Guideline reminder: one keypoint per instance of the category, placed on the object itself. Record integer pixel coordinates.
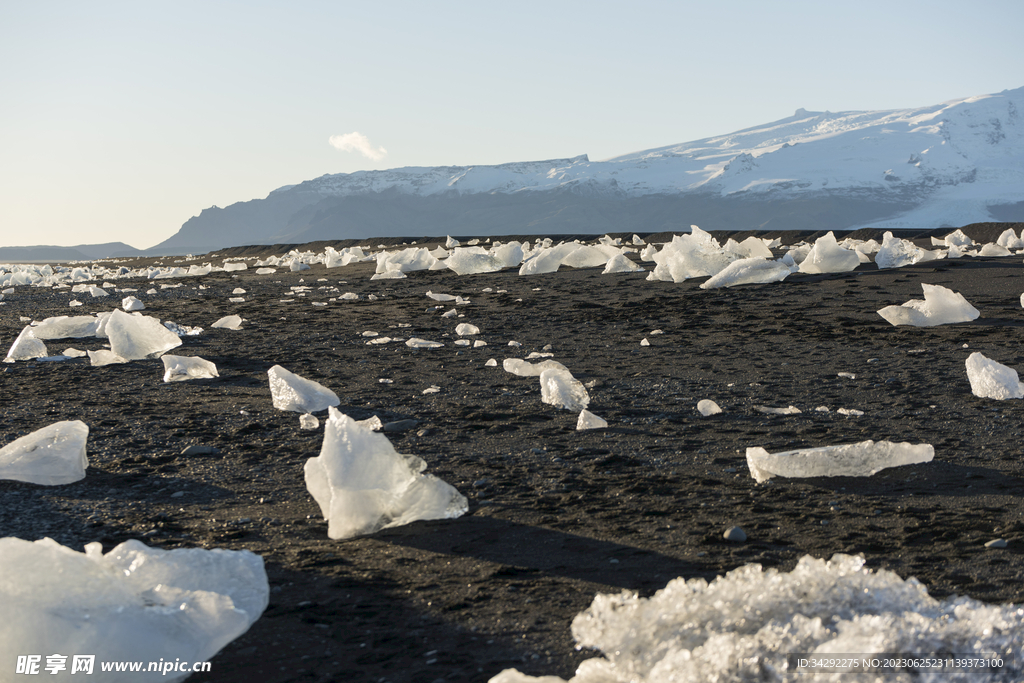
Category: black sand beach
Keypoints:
(556, 515)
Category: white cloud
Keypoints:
(357, 142)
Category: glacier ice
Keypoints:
(298, 394)
(26, 347)
(940, 306)
(417, 343)
(748, 271)
(826, 256)
(229, 322)
(50, 456)
(134, 337)
(308, 421)
(466, 330)
(181, 368)
(130, 303)
(896, 252)
(990, 379)
(471, 260)
(522, 368)
(63, 326)
(103, 357)
(620, 263)
(847, 460)
(362, 484)
(588, 420)
(708, 407)
(559, 388)
(133, 603)
(744, 626)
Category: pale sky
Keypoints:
(121, 120)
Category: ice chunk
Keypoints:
(229, 322)
(180, 368)
(589, 421)
(958, 238)
(63, 326)
(26, 347)
(72, 352)
(620, 264)
(183, 330)
(990, 379)
(848, 460)
(265, 271)
(473, 260)
(745, 626)
(708, 407)
(940, 306)
(451, 242)
(826, 256)
(308, 421)
(518, 366)
(417, 343)
(478, 343)
(104, 357)
(466, 330)
(298, 394)
(559, 388)
(1008, 238)
(133, 603)
(134, 337)
(896, 252)
(791, 410)
(584, 256)
(231, 267)
(50, 456)
(748, 271)
(363, 485)
(130, 303)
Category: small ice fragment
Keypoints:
(990, 379)
(791, 410)
(491, 363)
(349, 296)
(237, 299)
(644, 342)
(384, 380)
(229, 322)
(853, 412)
(462, 342)
(514, 343)
(478, 343)
(49, 456)
(238, 290)
(265, 271)
(104, 357)
(72, 352)
(450, 314)
(369, 333)
(654, 332)
(996, 543)
(735, 534)
(74, 302)
(708, 407)
(431, 390)
(308, 421)
(363, 485)
(559, 388)
(822, 409)
(417, 343)
(848, 460)
(130, 303)
(848, 375)
(520, 367)
(466, 330)
(372, 423)
(380, 340)
(181, 368)
(539, 354)
(298, 394)
(589, 421)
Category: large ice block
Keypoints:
(49, 456)
(559, 388)
(134, 603)
(847, 460)
(990, 379)
(363, 485)
(181, 368)
(134, 337)
(940, 306)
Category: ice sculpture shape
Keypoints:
(826, 256)
(990, 379)
(559, 388)
(49, 456)
(588, 420)
(26, 347)
(134, 337)
(298, 394)
(847, 460)
(362, 484)
(134, 603)
(743, 626)
(181, 368)
(748, 271)
(940, 306)
(229, 322)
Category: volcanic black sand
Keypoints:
(556, 515)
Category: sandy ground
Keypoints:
(556, 515)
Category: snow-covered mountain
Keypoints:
(948, 164)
